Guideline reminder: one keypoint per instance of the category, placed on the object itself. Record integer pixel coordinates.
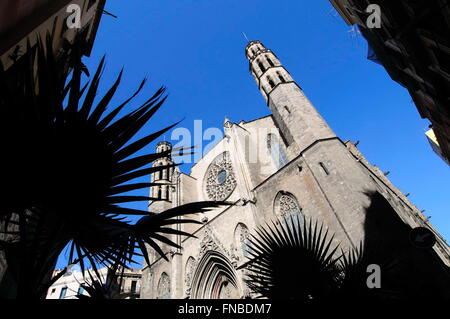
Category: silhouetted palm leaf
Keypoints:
(68, 166)
(292, 260)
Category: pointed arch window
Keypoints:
(261, 66)
(281, 77)
(159, 192)
(168, 193)
(270, 61)
(163, 288)
(271, 83)
(241, 237)
(276, 151)
(286, 206)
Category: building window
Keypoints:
(63, 293)
(281, 77)
(163, 288)
(286, 206)
(276, 151)
(271, 83)
(270, 61)
(325, 169)
(133, 286)
(287, 109)
(261, 66)
(241, 237)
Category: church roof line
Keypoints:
(296, 158)
(259, 118)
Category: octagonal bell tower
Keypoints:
(300, 124)
(163, 190)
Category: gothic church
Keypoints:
(290, 162)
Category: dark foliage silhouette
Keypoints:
(290, 247)
(68, 167)
(104, 288)
(295, 260)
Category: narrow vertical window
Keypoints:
(270, 61)
(287, 109)
(325, 169)
(281, 77)
(271, 83)
(261, 66)
(276, 151)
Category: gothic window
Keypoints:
(281, 77)
(163, 288)
(276, 151)
(261, 66)
(271, 83)
(159, 192)
(241, 237)
(220, 180)
(270, 61)
(286, 205)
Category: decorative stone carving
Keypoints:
(190, 268)
(288, 205)
(234, 254)
(210, 242)
(220, 180)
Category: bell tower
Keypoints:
(300, 124)
(163, 179)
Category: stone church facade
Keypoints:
(290, 162)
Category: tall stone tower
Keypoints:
(299, 122)
(164, 189)
(288, 163)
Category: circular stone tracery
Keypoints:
(220, 181)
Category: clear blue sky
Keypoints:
(196, 49)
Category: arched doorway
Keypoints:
(215, 278)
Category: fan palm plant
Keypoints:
(292, 259)
(68, 168)
(104, 288)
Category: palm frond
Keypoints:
(72, 164)
(291, 260)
